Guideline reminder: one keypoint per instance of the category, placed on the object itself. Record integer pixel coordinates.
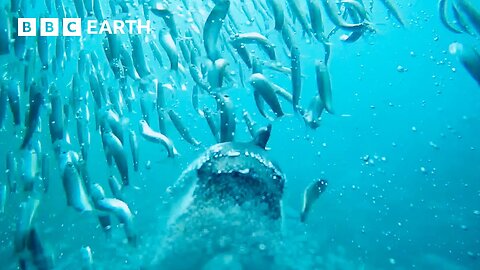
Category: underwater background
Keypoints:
(401, 155)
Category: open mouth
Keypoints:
(252, 185)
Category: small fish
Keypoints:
(211, 123)
(182, 129)
(393, 10)
(42, 257)
(138, 56)
(331, 9)
(278, 13)
(11, 171)
(195, 100)
(161, 10)
(472, 12)
(313, 115)
(216, 74)
(45, 172)
(255, 37)
(60, 8)
(106, 224)
(298, 11)
(324, 85)
(43, 48)
(265, 90)
(97, 9)
(133, 141)
(168, 44)
(13, 92)
(242, 51)
(60, 55)
(310, 195)
(251, 125)
(316, 20)
(227, 117)
(460, 19)
(469, 57)
(212, 28)
(74, 189)
(115, 187)
(113, 120)
(87, 258)
(88, 4)
(19, 43)
(28, 210)
(33, 118)
(128, 64)
(296, 77)
(152, 136)
(3, 197)
(121, 210)
(442, 10)
(156, 52)
(56, 118)
(3, 107)
(30, 167)
(115, 148)
(5, 32)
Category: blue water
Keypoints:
(401, 154)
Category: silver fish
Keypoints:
(472, 12)
(5, 32)
(310, 195)
(56, 118)
(212, 28)
(45, 172)
(255, 37)
(161, 10)
(227, 117)
(36, 105)
(265, 90)
(469, 57)
(156, 52)
(298, 12)
(13, 92)
(133, 141)
(115, 148)
(251, 125)
(42, 257)
(88, 4)
(115, 187)
(211, 123)
(28, 210)
(324, 85)
(74, 188)
(3, 197)
(121, 210)
(296, 77)
(11, 171)
(87, 258)
(3, 106)
(182, 129)
(43, 48)
(278, 13)
(393, 10)
(216, 73)
(128, 64)
(331, 9)
(138, 56)
(152, 136)
(168, 44)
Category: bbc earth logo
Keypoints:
(74, 27)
